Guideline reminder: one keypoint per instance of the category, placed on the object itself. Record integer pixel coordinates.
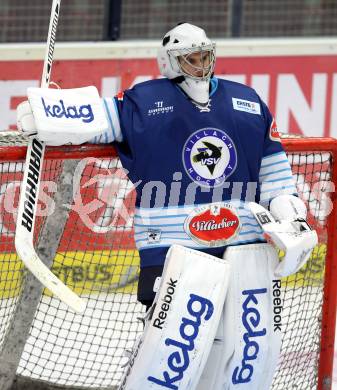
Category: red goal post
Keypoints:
(303, 145)
(98, 260)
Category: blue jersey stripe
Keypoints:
(273, 172)
(276, 180)
(279, 188)
(275, 163)
(157, 224)
(161, 216)
(273, 155)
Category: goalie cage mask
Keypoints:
(174, 58)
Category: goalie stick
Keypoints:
(30, 192)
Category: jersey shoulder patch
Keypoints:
(120, 96)
(246, 106)
(273, 132)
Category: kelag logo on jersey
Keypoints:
(209, 157)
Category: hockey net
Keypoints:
(96, 258)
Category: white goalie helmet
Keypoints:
(177, 58)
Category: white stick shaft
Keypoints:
(29, 194)
(48, 59)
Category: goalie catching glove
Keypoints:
(285, 226)
(62, 116)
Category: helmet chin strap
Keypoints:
(196, 90)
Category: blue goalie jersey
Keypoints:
(195, 169)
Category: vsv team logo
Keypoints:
(60, 110)
(209, 157)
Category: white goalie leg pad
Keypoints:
(247, 344)
(179, 333)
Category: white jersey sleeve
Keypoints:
(275, 175)
(113, 132)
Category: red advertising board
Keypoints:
(301, 91)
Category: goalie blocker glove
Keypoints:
(285, 227)
(62, 116)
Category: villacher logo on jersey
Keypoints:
(159, 109)
(83, 112)
(213, 224)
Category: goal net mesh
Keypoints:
(97, 259)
